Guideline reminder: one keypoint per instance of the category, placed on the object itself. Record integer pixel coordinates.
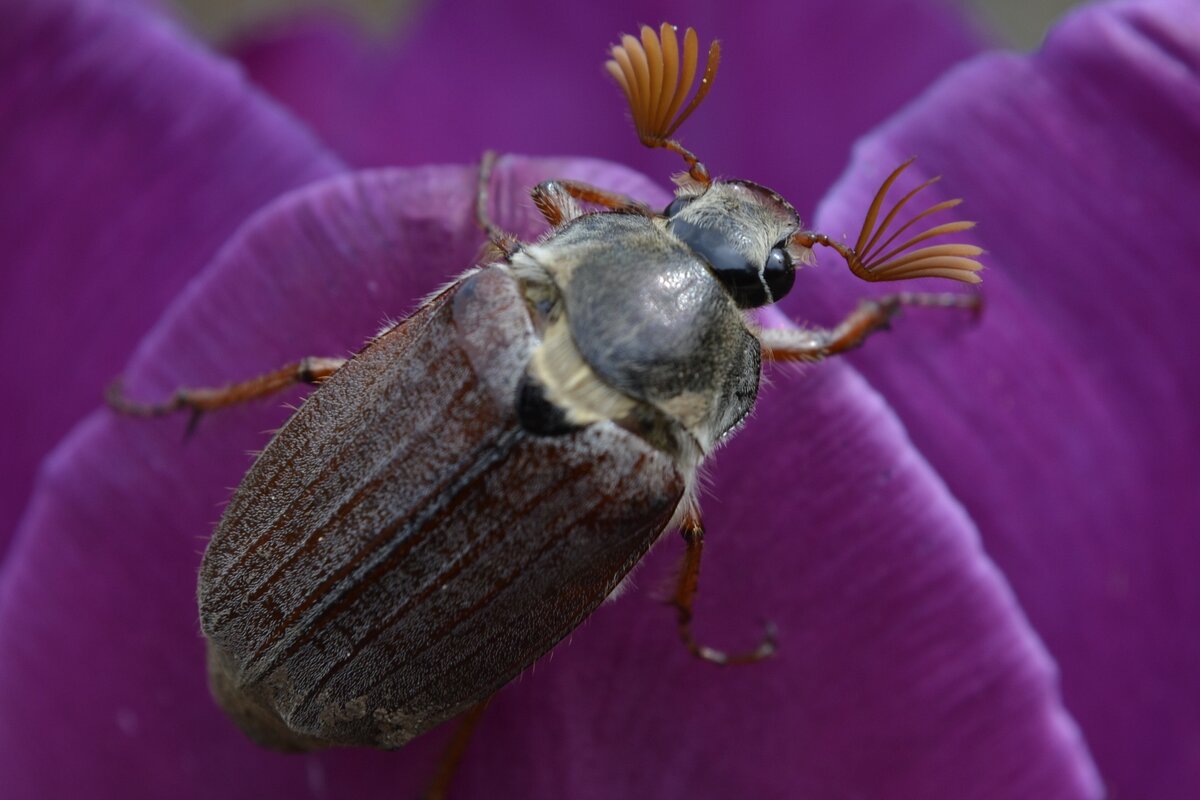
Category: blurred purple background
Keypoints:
(977, 541)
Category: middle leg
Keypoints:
(201, 400)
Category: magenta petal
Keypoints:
(129, 154)
(799, 82)
(905, 668)
(1067, 421)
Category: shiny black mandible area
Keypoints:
(751, 285)
(723, 246)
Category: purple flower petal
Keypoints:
(1066, 422)
(129, 155)
(800, 81)
(906, 669)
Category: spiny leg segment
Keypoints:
(556, 200)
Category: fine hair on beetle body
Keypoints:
(363, 586)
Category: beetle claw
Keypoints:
(765, 649)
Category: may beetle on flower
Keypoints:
(459, 496)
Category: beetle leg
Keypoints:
(813, 344)
(498, 238)
(198, 401)
(556, 199)
(555, 204)
(685, 594)
(453, 754)
(587, 193)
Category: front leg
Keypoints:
(557, 200)
(813, 344)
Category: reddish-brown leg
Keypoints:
(453, 754)
(813, 344)
(587, 193)
(685, 594)
(555, 203)
(306, 370)
(556, 199)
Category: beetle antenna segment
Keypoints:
(655, 83)
(873, 258)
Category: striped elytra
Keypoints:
(403, 547)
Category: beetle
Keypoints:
(456, 498)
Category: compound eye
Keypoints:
(677, 205)
(779, 272)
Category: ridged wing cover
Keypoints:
(402, 548)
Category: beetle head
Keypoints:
(743, 232)
(747, 234)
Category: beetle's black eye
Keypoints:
(677, 205)
(779, 272)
